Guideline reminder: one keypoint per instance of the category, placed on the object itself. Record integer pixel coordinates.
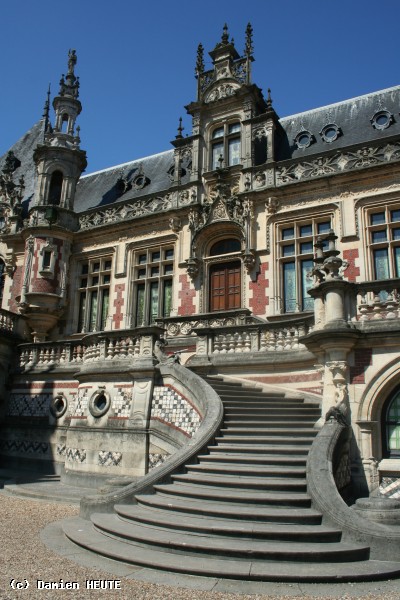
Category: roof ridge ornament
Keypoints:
(249, 48)
(225, 34)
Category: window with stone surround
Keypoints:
(152, 284)
(94, 294)
(295, 256)
(225, 145)
(383, 239)
(391, 426)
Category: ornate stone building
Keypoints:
(261, 248)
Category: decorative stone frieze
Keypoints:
(365, 157)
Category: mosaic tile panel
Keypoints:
(79, 408)
(109, 459)
(28, 405)
(24, 446)
(75, 455)
(390, 487)
(156, 459)
(61, 449)
(121, 403)
(170, 407)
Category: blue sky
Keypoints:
(136, 61)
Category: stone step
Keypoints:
(212, 545)
(249, 469)
(263, 440)
(227, 526)
(287, 508)
(271, 497)
(241, 481)
(242, 420)
(257, 402)
(261, 449)
(272, 429)
(85, 535)
(253, 459)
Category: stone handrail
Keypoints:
(210, 406)
(383, 540)
(10, 322)
(377, 300)
(259, 338)
(130, 344)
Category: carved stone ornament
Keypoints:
(339, 370)
(340, 162)
(192, 267)
(175, 224)
(272, 205)
(249, 259)
(225, 90)
(259, 133)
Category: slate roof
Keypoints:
(23, 150)
(106, 187)
(352, 116)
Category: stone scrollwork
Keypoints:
(220, 92)
(129, 210)
(339, 162)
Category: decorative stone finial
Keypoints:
(269, 100)
(200, 60)
(225, 35)
(179, 136)
(248, 50)
(69, 84)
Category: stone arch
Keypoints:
(373, 400)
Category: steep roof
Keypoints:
(23, 150)
(352, 116)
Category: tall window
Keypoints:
(56, 182)
(384, 240)
(296, 251)
(225, 146)
(94, 294)
(152, 276)
(391, 426)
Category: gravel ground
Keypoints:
(23, 556)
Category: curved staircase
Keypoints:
(243, 511)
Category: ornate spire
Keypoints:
(180, 129)
(249, 49)
(269, 100)
(225, 35)
(69, 84)
(46, 111)
(200, 60)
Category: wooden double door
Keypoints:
(225, 283)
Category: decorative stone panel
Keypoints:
(28, 405)
(80, 407)
(390, 487)
(75, 455)
(24, 446)
(107, 458)
(170, 407)
(156, 459)
(121, 403)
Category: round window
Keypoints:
(99, 403)
(330, 133)
(303, 139)
(58, 406)
(382, 119)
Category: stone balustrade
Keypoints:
(263, 338)
(127, 345)
(10, 322)
(377, 300)
(183, 326)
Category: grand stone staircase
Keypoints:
(243, 511)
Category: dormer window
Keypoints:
(225, 146)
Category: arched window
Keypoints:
(225, 277)
(55, 188)
(391, 426)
